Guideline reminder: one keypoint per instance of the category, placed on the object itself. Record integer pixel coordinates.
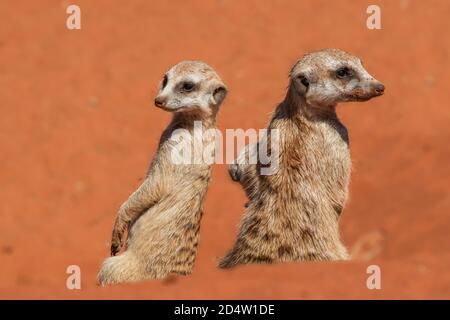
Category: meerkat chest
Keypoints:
(318, 154)
(190, 147)
(333, 140)
(327, 151)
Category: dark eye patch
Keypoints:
(164, 82)
(187, 86)
(344, 73)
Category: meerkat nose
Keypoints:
(160, 101)
(379, 88)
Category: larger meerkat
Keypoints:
(293, 214)
(163, 214)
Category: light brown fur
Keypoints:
(163, 215)
(293, 214)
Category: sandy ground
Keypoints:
(78, 129)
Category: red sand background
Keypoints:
(78, 129)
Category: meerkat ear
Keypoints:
(303, 82)
(219, 94)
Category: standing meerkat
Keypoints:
(163, 214)
(293, 214)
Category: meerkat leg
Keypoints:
(123, 268)
(246, 248)
(127, 267)
(148, 194)
(234, 257)
(244, 253)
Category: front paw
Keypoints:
(117, 234)
(116, 242)
(234, 172)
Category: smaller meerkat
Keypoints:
(163, 215)
(293, 214)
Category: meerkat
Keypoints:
(292, 215)
(163, 215)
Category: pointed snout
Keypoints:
(370, 89)
(365, 90)
(160, 101)
(378, 88)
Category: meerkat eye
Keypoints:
(187, 86)
(164, 82)
(343, 73)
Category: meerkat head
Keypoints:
(191, 86)
(327, 77)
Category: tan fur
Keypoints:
(163, 215)
(293, 214)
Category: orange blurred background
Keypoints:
(78, 130)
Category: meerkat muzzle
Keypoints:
(160, 102)
(379, 88)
